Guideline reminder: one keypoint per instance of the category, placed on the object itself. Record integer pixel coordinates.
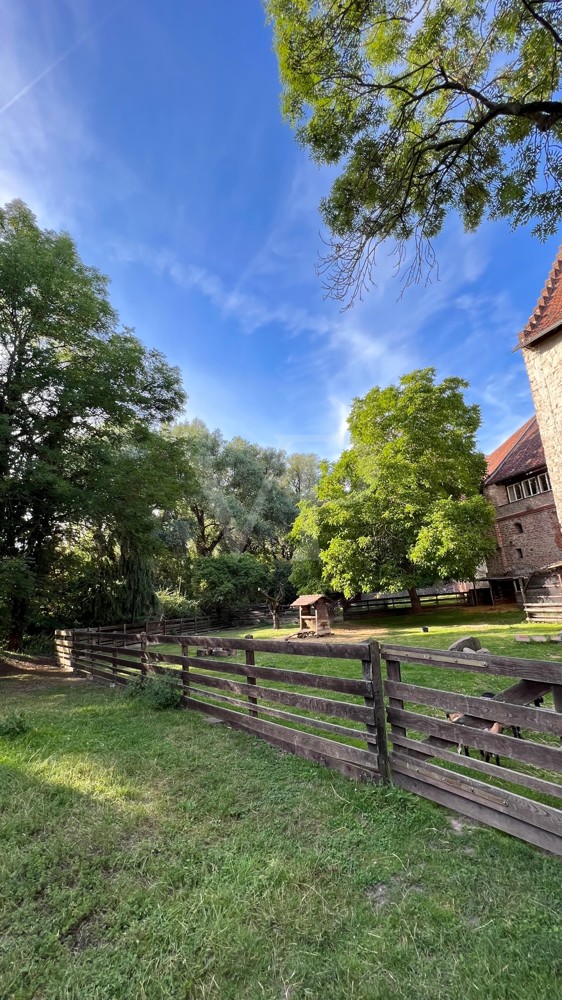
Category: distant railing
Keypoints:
(127, 634)
(403, 603)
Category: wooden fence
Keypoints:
(402, 603)
(227, 689)
(342, 721)
(418, 736)
(128, 634)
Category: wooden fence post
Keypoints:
(185, 673)
(373, 676)
(394, 673)
(250, 662)
(557, 699)
(144, 654)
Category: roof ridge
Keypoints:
(521, 434)
(544, 297)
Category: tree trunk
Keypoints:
(19, 610)
(414, 600)
(276, 617)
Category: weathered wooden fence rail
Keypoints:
(396, 729)
(535, 762)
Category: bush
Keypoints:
(40, 644)
(13, 724)
(173, 604)
(160, 691)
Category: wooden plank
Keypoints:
(374, 704)
(480, 813)
(549, 671)
(330, 650)
(113, 658)
(294, 737)
(277, 713)
(326, 706)
(106, 636)
(535, 813)
(343, 685)
(487, 709)
(133, 654)
(104, 675)
(353, 771)
(422, 750)
(546, 757)
(167, 657)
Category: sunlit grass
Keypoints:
(152, 855)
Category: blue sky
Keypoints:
(152, 132)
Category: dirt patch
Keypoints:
(461, 825)
(381, 894)
(83, 933)
(44, 666)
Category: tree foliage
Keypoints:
(78, 397)
(428, 107)
(241, 501)
(401, 507)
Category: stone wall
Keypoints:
(544, 368)
(529, 526)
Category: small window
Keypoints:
(519, 553)
(514, 492)
(529, 487)
(518, 527)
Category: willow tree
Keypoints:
(427, 107)
(401, 508)
(72, 386)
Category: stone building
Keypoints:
(541, 344)
(527, 528)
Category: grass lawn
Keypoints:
(153, 855)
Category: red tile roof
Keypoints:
(548, 312)
(521, 454)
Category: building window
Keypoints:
(529, 487)
(518, 527)
(519, 553)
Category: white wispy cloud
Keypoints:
(49, 154)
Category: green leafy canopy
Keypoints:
(402, 506)
(428, 107)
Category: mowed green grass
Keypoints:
(152, 855)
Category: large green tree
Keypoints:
(240, 501)
(402, 506)
(73, 387)
(427, 107)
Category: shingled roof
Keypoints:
(305, 600)
(520, 455)
(547, 316)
